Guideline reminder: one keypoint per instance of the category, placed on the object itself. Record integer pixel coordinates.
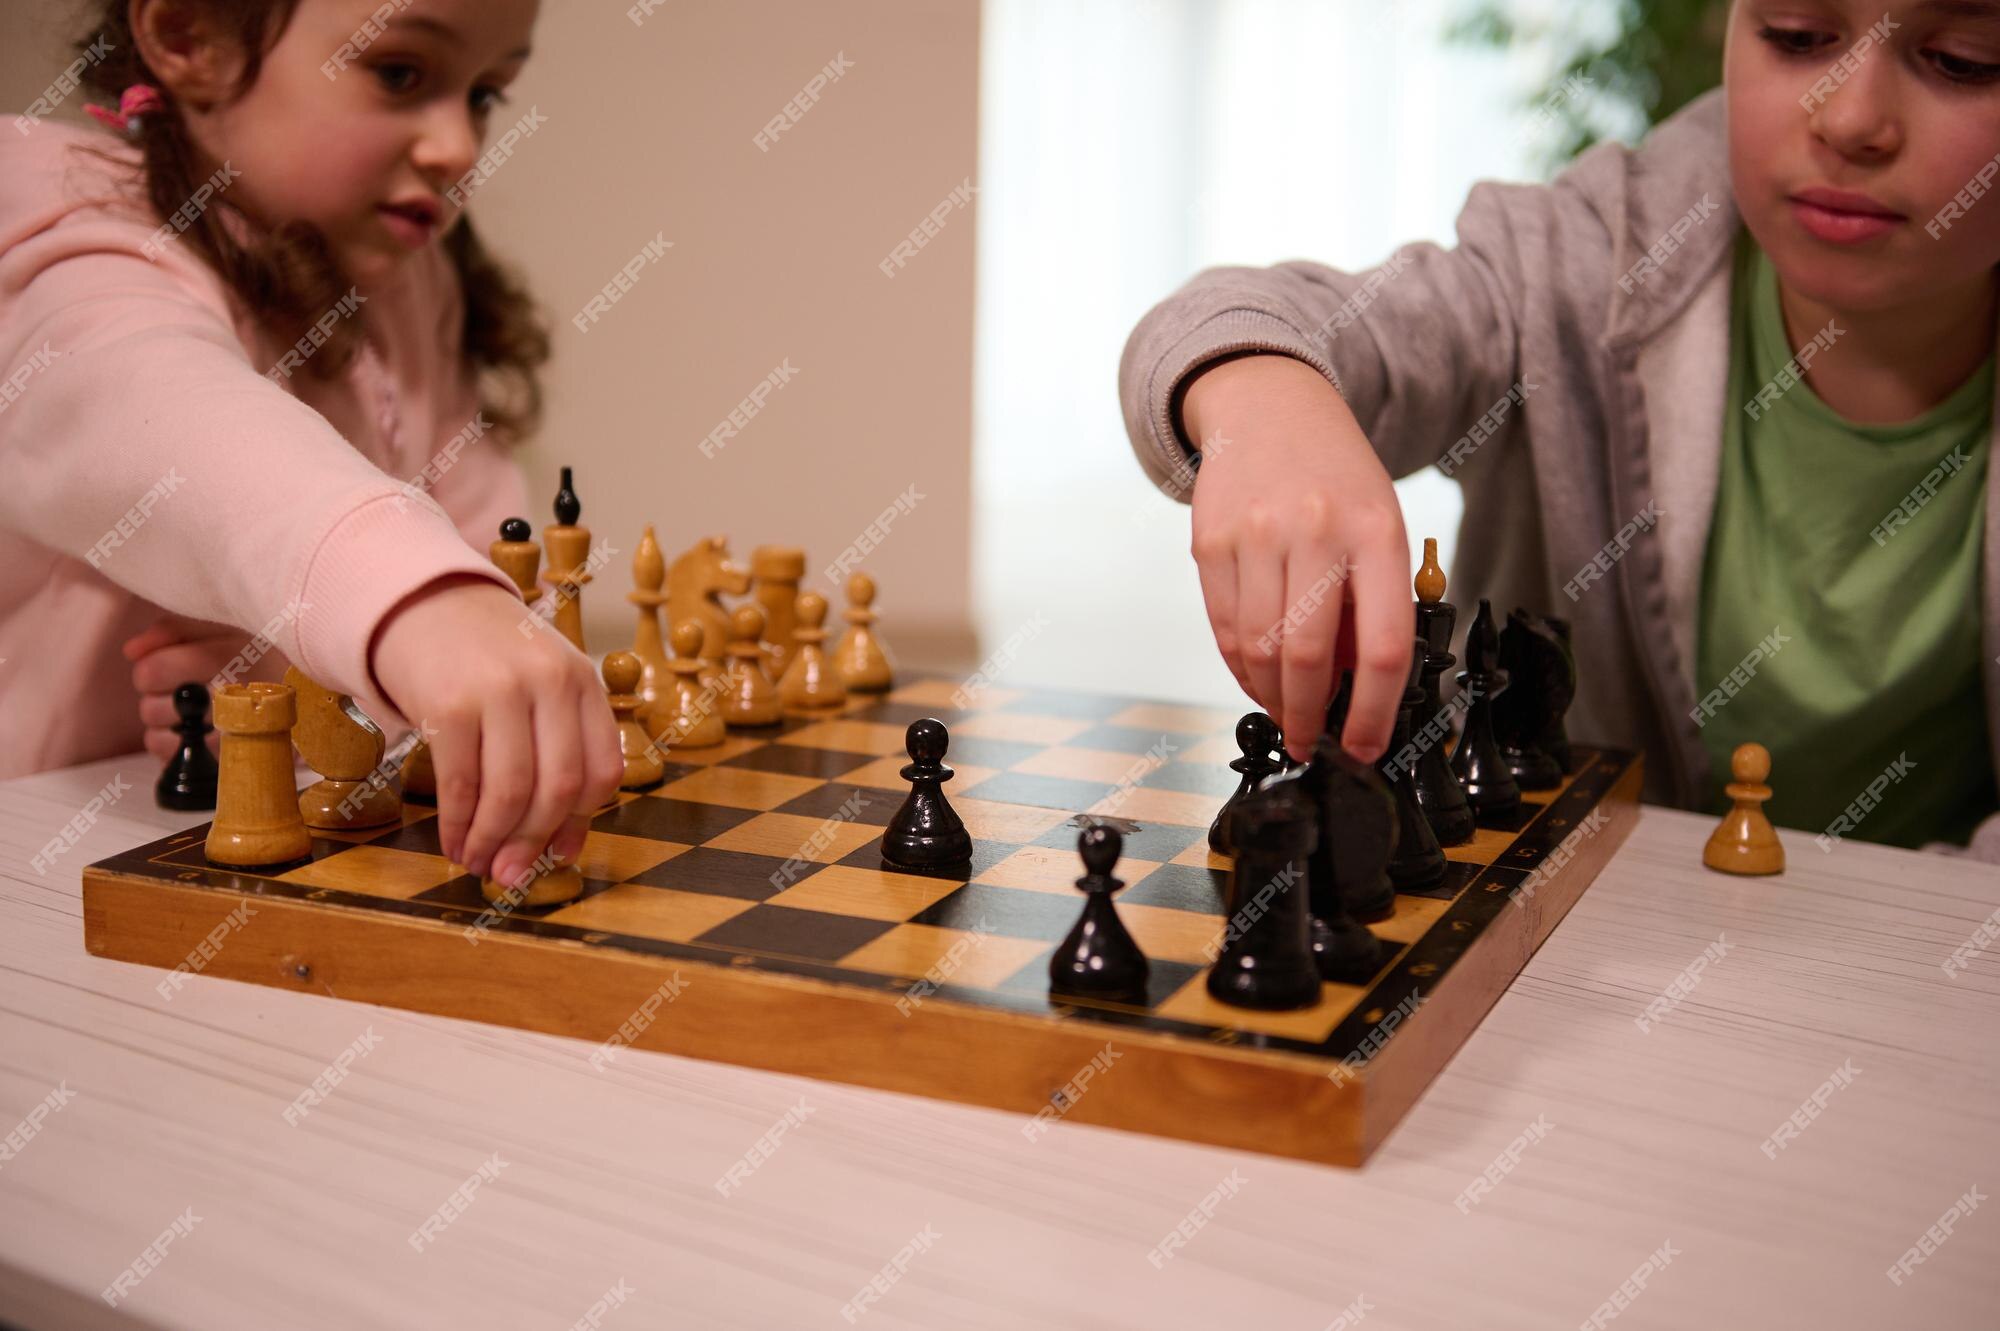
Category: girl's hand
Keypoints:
(522, 736)
(1296, 521)
(177, 651)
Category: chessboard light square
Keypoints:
(850, 736)
(1169, 934)
(869, 894)
(1055, 870)
(909, 951)
(1191, 1003)
(738, 787)
(1219, 750)
(886, 773)
(789, 836)
(1413, 919)
(1144, 804)
(650, 912)
(1487, 845)
(1201, 857)
(1028, 727)
(376, 871)
(730, 747)
(1089, 764)
(1014, 824)
(612, 858)
(1177, 718)
(945, 693)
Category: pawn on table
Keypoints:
(188, 781)
(862, 660)
(1258, 737)
(1745, 842)
(752, 700)
(1099, 959)
(810, 681)
(622, 673)
(686, 715)
(926, 832)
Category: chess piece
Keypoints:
(187, 782)
(568, 547)
(420, 782)
(777, 570)
(709, 658)
(1267, 955)
(1357, 821)
(860, 657)
(750, 698)
(1541, 677)
(696, 580)
(810, 681)
(339, 742)
(546, 883)
(687, 715)
(1098, 959)
(1438, 793)
(926, 833)
(257, 819)
(1481, 771)
(649, 574)
(1419, 861)
(1745, 842)
(1367, 899)
(1258, 738)
(622, 672)
(517, 555)
(1554, 740)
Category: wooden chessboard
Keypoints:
(740, 911)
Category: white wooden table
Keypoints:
(1623, 1143)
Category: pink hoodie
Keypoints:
(148, 465)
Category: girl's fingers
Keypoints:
(1218, 593)
(1313, 590)
(1385, 628)
(1260, 610)
(506, 779)
(456, 760)
(558, 761)
(603, 759)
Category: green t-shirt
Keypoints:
(1840, 621)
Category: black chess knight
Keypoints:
(1489, 786)
(1528, 717)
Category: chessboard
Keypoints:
(740, 911)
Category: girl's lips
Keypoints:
(408, 226)
(1838, 227)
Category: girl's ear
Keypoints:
(195, 57)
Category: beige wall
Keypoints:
(774, 259)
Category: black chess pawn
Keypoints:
(1099, 959)
(1267, 955)
(1438, 793)
(1419, 861)
(926, 833)
(1257, 736)
(1481, 771)
(188, 781)
(1541, 678)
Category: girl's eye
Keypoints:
(1793, 41)
(396, 76)
(1960, 70)
(485, 98)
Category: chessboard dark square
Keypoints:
(727, 873)
(1043, 792)
(656, 818)
(860, 804)
(420, 836)
(979, 751)
(800, 760)
(985, 854)
(1012, 911)
(784, 931)
(1458, 875)
(1075, 706)
(902, 713)
(1158, 842)
(1192, 778)
(1180, 887)
(1164, 979)
(462, 893)
(1117, 739)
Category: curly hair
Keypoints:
(287, 274)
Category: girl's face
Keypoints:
(1852, 126)
(360, 121)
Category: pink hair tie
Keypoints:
(139, 100)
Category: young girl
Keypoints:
(243, 343)
(1744, 383)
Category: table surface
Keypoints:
(1605, 1142)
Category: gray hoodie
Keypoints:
(1566, 363)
